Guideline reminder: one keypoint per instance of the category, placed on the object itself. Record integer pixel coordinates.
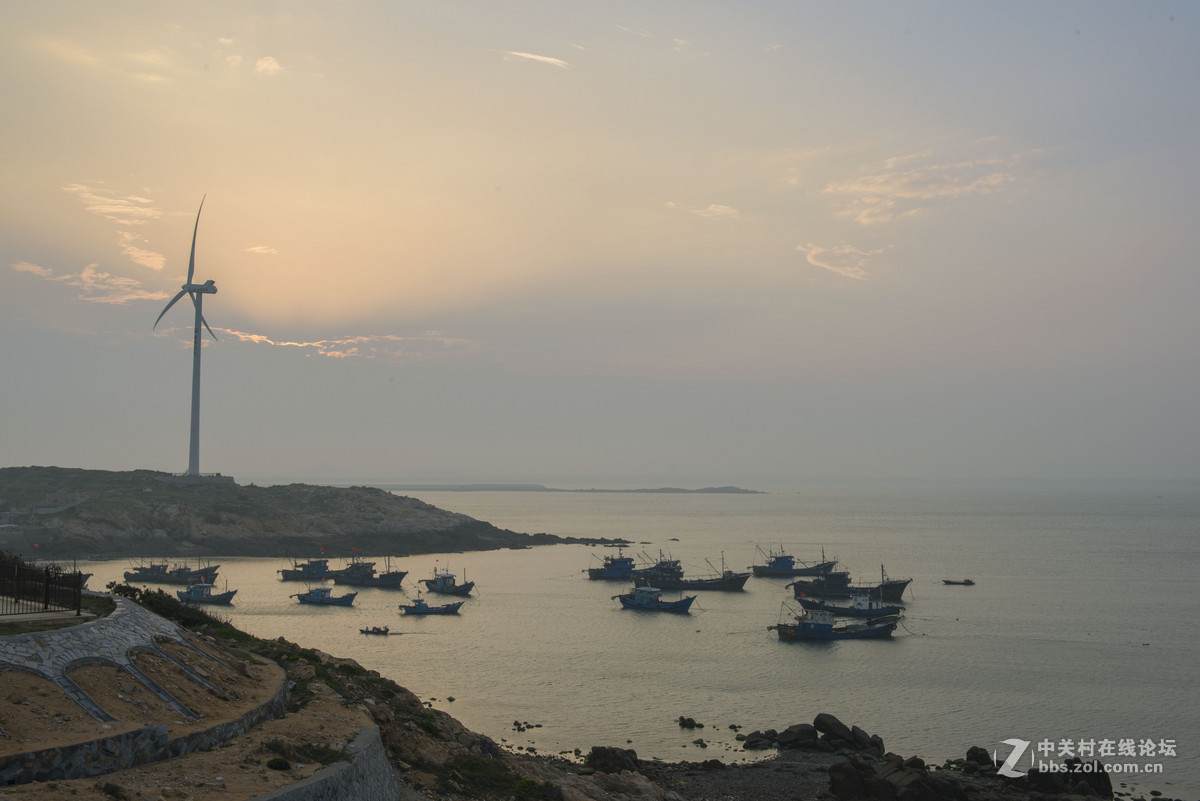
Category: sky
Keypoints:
(604, 244)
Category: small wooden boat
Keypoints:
(419, 607)
(323, 596)
(818, 624)
(651, 598)
(203, 594)
(781, 564)
(445, 583)
(374, 630)
(859, 606)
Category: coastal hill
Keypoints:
(68, 513)
(544, 488)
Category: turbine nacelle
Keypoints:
(209, 287)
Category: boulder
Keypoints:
(833, 728)
(612, 760)
(798, 736)
(845, 780)
(758, 741)
(980, 756)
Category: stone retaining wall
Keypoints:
(131, 748)
(368, 776)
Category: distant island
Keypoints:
(543, 488)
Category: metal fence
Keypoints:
(39, 589)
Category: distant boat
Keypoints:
(780, 564)
(419, 607)
(445, 583)
(859, 606)
(374, 630)
(665, 571)
(203, 594)
(356, 570)
(963, 582)
(368, 577)
(723, 579)
(323, 596)
(836, 584)
(651, 598)
(818, 624)
(165, 573)
(312, 570)
(618, 568)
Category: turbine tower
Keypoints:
(197, 293)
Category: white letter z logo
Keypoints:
(1006, 769)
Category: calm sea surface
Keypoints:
(1081, 625)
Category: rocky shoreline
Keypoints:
(826, 760)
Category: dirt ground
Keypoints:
(35, 714)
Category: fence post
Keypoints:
(46, 593)
(78, 593)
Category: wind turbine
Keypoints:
(197, 293)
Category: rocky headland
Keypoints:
(73, 514)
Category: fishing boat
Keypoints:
(312, 570)
(356, 570)
(165, 573)
(818, 624)
(723, 579)
(419, 607)
(445, 583)
(782, 564)
(619, 568)
(960, 582)
(374, 630)
(859, 606)
(323, 596)
(836, 584)
(651, 598)
(203, 594)
(660, 573)
(389, 578)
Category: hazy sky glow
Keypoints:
(605, 244)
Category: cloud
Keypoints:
(717, 211)
(124, 210)
(233, 61)
(138, 255)
(845, 260)
(267, 65)
(225, 40)
(69, 52)
(510, 55)
(642, 32)
(26, 267)
(263, 250)
(905, 186)
(97, 286)
(386, 346)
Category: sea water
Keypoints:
(1080, 627)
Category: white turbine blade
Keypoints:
(192, 260)
(182, 292)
